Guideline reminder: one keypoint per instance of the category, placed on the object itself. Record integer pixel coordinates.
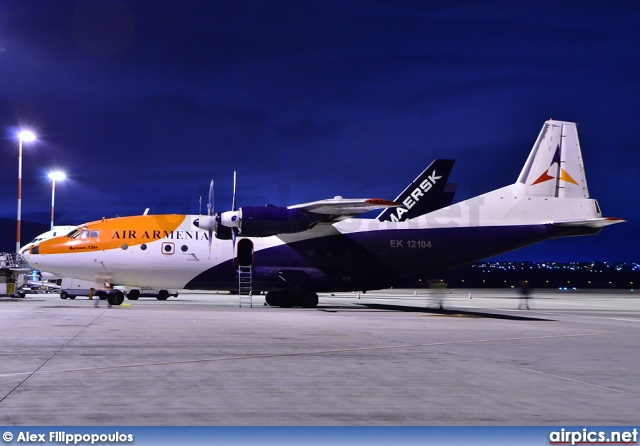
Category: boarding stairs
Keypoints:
(245, 291)
(12, 274)
(9, 260)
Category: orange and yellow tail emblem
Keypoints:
(564, 175)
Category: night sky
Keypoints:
(141, 104)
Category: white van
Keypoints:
(71, 288)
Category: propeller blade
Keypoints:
(234, 234)
(234, 231)
(210, 212)
(210, 204)
(233, 204)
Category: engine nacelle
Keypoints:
(223, 233)
(206, 222)
(256, 221)
(212, 223)
(230, 219)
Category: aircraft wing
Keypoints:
(339, 208)
(264, 221)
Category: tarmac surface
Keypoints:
(382, 358)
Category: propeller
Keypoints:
(228, 221)
(209, 222)
(234, 230)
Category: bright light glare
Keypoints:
(26, 136)
(57, 176)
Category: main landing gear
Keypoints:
(291, 298)
(114, 297)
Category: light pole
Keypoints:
(25, 136)
(54, 176)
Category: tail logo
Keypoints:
(413, 199)
(562, 174)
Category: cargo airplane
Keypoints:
(294, 252)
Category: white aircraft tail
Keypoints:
(551, 189)
(554, 167)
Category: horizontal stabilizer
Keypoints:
(591, 222)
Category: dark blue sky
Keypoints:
(141, 105)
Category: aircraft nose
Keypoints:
(25, 254)
(196, 222)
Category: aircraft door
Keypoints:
(245, 252)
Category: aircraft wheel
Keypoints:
(101, 295)
(271, 298)
(72, 297)
(308, 300)
(133, 295)
(286, 299)
(115, 298)
(162, 295)
(64, 295)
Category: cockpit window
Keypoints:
(86, 233)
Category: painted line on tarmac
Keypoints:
(310, 353)
(572, 380)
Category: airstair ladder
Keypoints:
(245, 291)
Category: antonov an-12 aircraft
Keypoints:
(294, 252)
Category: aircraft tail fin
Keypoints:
(554, 167)
(428, 192)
